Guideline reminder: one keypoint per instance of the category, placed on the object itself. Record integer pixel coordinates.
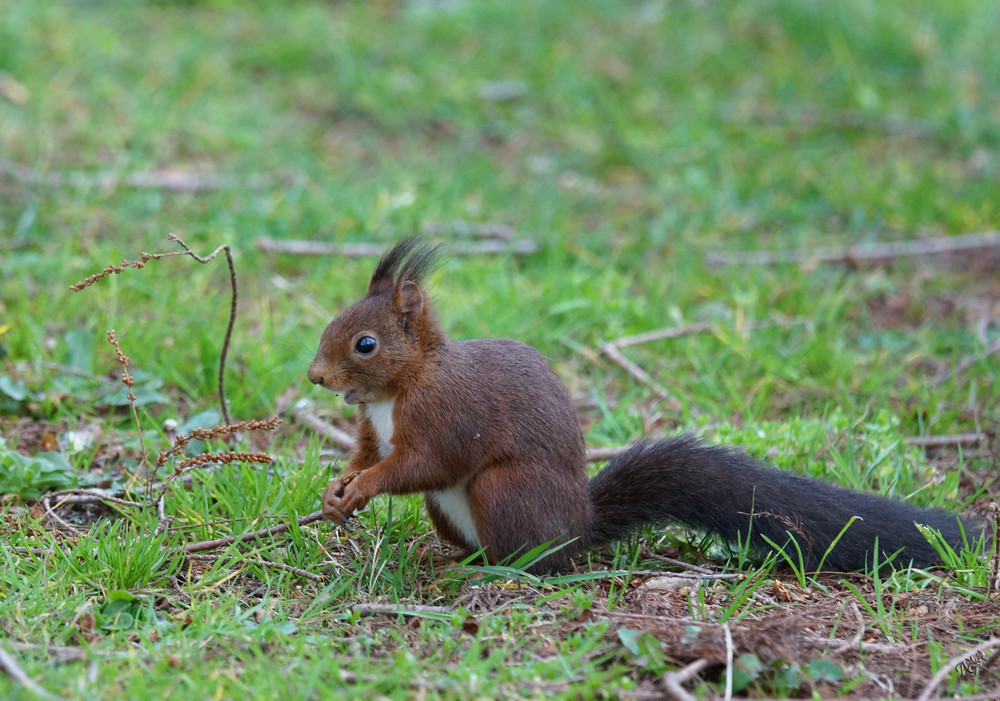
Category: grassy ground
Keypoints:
(630, 140)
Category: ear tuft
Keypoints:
(408, 260)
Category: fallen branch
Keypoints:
(169, 180)
(947, 439)
(862, 252)
(91, 496)
(359, 250)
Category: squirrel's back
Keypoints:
(502, 395)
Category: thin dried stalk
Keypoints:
(113, 269)
(209, 458)
(232, 313)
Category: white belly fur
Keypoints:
(380, 415)
(453, 503)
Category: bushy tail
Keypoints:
(724, 492)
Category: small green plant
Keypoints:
(123, 611)
(28, 478)
(644, 649)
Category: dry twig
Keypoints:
(601, 454)
(395, 609)
(262, 533)
(673, 681)
(862, 252)
(947, 439)
(612, 349)
(12, 668)
(615, 356)
(266, 563)
(729, 661)
(90, 496)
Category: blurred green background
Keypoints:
(629, 139)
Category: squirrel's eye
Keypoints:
(365, 345)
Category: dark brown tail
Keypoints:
(724, 492)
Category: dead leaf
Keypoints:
(781, 592)
(49, 442)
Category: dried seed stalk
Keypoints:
(113, 269)
(128, 381)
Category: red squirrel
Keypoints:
(487, 432)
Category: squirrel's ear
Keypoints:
(408, 299)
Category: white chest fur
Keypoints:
(380, 415)
(453, 503)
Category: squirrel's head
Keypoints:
(376, 346)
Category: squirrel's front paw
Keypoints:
(332, 502)
(357, 492)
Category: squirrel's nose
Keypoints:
(315, 376)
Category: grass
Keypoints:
(633, 140)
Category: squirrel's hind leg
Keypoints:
(516, 508)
